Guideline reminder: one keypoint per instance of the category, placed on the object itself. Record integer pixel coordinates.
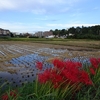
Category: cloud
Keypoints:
(69, 25)
(6, 4)
(21, 27)
(47, 18)
(39, 11)
(33, 27)
(38, 6)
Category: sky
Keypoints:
(43, 15)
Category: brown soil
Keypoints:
(30, 47)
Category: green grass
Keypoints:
(29, 92)
(37, 91)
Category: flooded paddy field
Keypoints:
(18, 59)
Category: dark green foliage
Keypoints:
(92, 32)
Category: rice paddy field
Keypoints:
(18, 58)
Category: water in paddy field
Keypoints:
(23, 69)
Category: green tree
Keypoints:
(56, 32)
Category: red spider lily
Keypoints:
(5, 97)
(84, 78)
(58, 63)
(72, 66)
(78, 64)
(98, 60)
(95, 65)
(45, 76)
(57, 81)
(56, 78)
(65, 72)
(39, 65)
(95, 62)
(92, 71)
(12, 94)
(71, 77)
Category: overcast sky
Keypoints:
(43, 15)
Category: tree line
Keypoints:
(91, 32)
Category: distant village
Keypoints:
(8, 33)
(4, 32)
(83, 32)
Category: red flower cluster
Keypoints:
(39, 65)
(13, 94)
(95, 62)
(92, 71)
(65, 72)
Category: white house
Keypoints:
(48, 37)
